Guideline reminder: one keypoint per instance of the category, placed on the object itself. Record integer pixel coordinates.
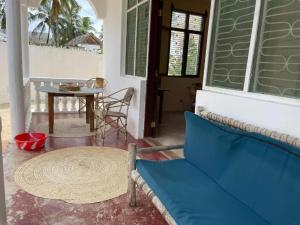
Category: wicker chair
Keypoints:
(97, 82)
(112, 112)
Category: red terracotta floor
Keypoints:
(26, 209)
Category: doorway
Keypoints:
(176, 64)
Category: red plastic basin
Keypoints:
(31, 141)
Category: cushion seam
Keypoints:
(236, 131)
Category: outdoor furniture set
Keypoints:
(109, 110)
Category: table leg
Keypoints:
(51, 112)
(92, 119)
(87, 106)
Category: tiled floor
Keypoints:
(25, 209)
(171, 132)
(5, 118)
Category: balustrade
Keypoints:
(66, 104)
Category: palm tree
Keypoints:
(55, 25)
(43, 16)
(62, 27)
(86, 25)
(58, 5)
(72, 19)
(74, 24)
(46, 24)
(2, 15)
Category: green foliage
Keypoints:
(45, 23)
(62, 22)
(174, 66)
(175, 57)
(2, 15)
(86, 25)
(177, 54)
(175, 60)
(193, 55)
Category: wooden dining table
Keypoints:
(87, 93)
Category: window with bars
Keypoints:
(186, 37)
(232, 29)
(258, 54)
(277, 61)
(137, 37)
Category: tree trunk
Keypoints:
(48, 36)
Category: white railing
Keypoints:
(61, 104)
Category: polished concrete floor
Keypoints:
(5, 119)
(171, 131)
(26, 209)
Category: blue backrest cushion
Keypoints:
(259, 171)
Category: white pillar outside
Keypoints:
(15, 68)
(2, 189)
(25, 62)
(25, 39)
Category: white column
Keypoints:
(2, 189)
(14, 44)
(25, 38)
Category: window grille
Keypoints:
(186, 36)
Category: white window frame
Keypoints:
(245, 92)
(126, 11)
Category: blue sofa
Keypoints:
(228, 177)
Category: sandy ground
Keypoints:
(5, 116)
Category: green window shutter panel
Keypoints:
(230, 43)
(130, 42)
(276, 68)
(131, 3)
(142, 40)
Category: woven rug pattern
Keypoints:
(76, 175)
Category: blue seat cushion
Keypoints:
(192, 197)
(259, 171)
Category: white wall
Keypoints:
(54, 63)
(27, 103)
(112, 62)
(279, 117)
(178, 97)
(64, 63)
(3, 74)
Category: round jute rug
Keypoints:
(76, 175)
(69, 127)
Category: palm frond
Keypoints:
(2, 15)
(62, 19)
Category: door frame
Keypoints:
(153, 68)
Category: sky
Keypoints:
(86, 10)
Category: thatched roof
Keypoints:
(85, 39)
